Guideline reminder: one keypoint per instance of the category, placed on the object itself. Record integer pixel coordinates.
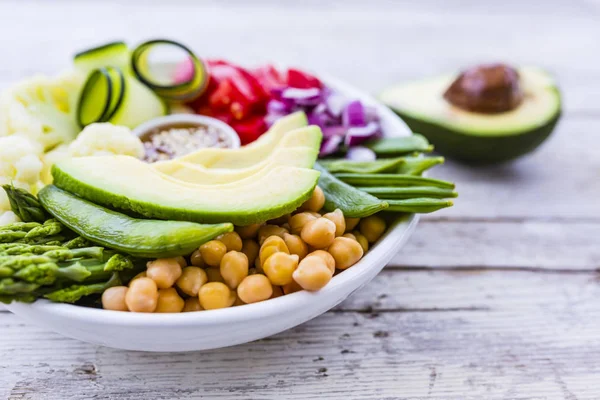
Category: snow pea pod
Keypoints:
(392, 180)
(395, 146)
(419, 205)
(409, 192)
(362, 167)
(417, 165)
(353, 202)
(138, 237)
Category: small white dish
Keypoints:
(226, 327)
(188, 119)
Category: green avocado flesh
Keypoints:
(285, 132)
(138, 237)
(125, 183)
(301, 157)
(478, 137)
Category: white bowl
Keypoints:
(191, 119)
(226, 327)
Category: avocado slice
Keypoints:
(128, 184)
(475, 136)
(301, 157)
(256, 151)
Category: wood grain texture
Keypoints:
(502, 244)
(409, 335)
(496, 298)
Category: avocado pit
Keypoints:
(487, 89)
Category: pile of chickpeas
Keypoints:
(254, 263)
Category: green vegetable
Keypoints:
(164, 86)
(138, 237)
(363, 167)
(24, 204)
(73, 293)
(392, 180)
(418, 165)
(115, 54)
(418, 205)
(50, 227)
(409, 192)
(395, 146)
(353, 202)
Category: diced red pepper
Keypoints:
(269, 78)
(250, 129)
(302, 80)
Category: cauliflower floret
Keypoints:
(42, 109)
(8, 217)
(106, 139)
(20, 165)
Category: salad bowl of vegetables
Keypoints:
(182, 241)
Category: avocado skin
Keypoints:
(474, 149)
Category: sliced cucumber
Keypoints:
(111, 96)
(160, 78)
(114, 54)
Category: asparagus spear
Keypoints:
(25, 205)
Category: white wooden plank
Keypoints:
(502, 244)
(372, 44)
(457, 338)
(557, 182)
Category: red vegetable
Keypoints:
(250, 129)
(302, 80)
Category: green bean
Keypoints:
(409, 192)
(392, 180)
(395, 146)
(418, 205)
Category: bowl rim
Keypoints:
(399, 231)
(141, 130)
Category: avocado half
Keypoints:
(478, 137)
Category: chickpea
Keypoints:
(114, 298)
(140, 275)
(296, 245)
(312, 274)
(286, 226)
(272, 245)
(280, 267)
(250, 248)
(337, 217)
(215, 295)
(298, 221)
(277, 291)
(192, 304)
(255, 288)
(362, 240)
(349, 236)
(234, 268)
(351, 223)
(191, 280)
(319, 233)
(169, 301)
(316, 201)
(270, 230)
(326, 257)
(212, 252)
(164, 271)
(142, 295)
(372, 227)
(291, 287)
(214, 275)
(181, 260)
(196, 259)
(346, 252)
(249, 231)
(231, 240)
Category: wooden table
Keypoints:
(496, 298)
